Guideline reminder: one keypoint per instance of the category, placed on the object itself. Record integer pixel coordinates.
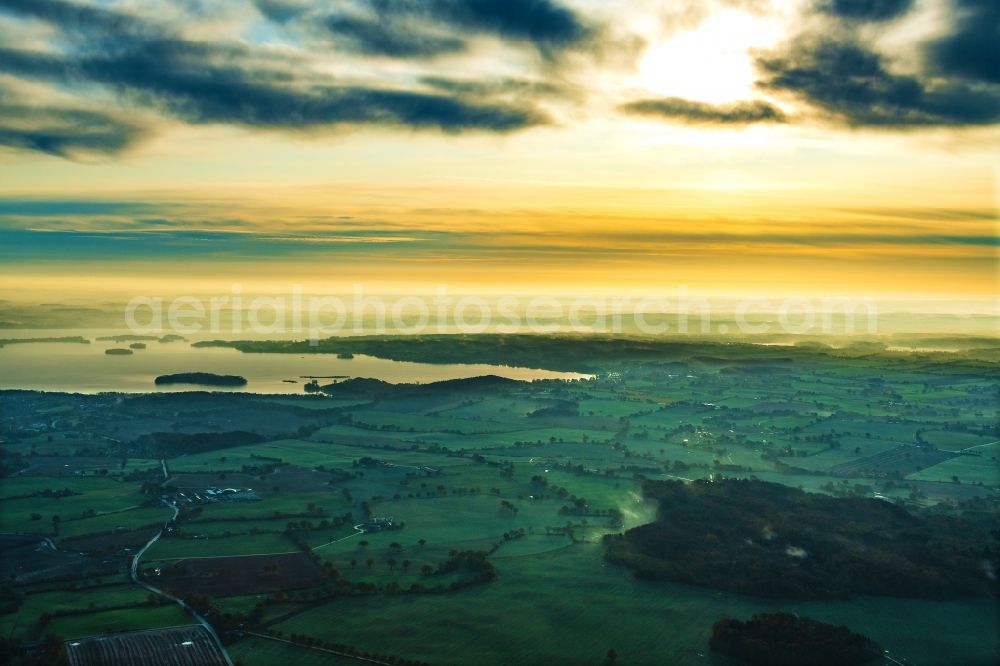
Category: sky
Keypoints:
(730, 146)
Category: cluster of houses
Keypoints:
(218, 495)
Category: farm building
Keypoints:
(379, 524)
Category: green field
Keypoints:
(261, 544)
(167, 615)
(567, 606)
(129, 519)
(103, 497)
(25, 621)
(980, 469)
(265, 652)
(955, 441)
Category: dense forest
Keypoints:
(771, 540)
(780, 639)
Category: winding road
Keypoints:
(180, 602)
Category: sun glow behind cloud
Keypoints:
(713, 62)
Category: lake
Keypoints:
(85, 368)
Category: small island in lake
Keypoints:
(125, 338)
(118, 352)
(200, 344)
(128, 337)
(137, 345)
(203, 378)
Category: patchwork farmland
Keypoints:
(409, 524)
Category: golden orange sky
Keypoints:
(631, 148)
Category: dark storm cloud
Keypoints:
(73, 16)
(63, 132)
(372, 36)
(972, 50)
(68, 133)
(144, 65)
(542, 22)
(687, 111)
(184, 79)
(866, 10)
(852, 84)
(494, 87)
(851, 81)
(429, 28)
(33, 64)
